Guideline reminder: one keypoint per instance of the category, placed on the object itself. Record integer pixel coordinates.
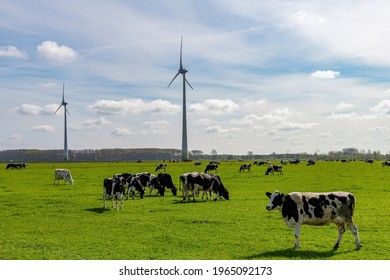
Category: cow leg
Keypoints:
(297, 233)
(341, 228)
(353, 228)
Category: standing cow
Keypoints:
(63, 174)
(300, 208)
(113, 189)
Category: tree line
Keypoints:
(156, 154)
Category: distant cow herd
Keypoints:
(297, 208)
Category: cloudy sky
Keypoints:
(268, 76)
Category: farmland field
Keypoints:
(42, 221)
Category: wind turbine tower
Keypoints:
(184, 147)
(63, 104)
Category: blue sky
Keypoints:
(268, 76)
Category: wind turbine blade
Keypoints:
(173, 79)
(67, 111)
(189, 84)
(57, 109)
(181, 52)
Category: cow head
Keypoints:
(225, 194)
(174, 191)
(276, 200)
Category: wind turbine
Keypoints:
(66, 156)
(184, 147)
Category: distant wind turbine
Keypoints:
(66, 156)
(184, 147)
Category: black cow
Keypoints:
(300, 208)
(310, 162)
(113, 189)
(166, 181)
(16, 165)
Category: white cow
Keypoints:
(64, 174)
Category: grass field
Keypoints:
(40, 221)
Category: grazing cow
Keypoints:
(183, 184)
(154, 183)
(131, 183)
(114, 189)
(310, 162)
(207, 183)
(369, 161)
(246, 166)
(16, 165)
(166, 181)
(161, 166)
(294, 161)
(196, 163)
(64, 174)
(210, 167)
(385, 163)
(274, 168)
(300, 208)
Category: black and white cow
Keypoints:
(154, 183)
(113, 189)
(161, 166)
(385, 163)
(274, 168)
(299, 208)
(207, 183)
(210, 167)
(133, 184)
(16, 165)
(144, 178)
(63, 174)
(166, 181)
(310, 162)
(246, 166)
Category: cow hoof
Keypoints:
(358, 247)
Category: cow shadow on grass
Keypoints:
(294, 254)
(97, 210)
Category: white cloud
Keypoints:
(324, 135)
(30, 109)
(220, 129)
(53, 51)
(343, 116)
(120, 132)
(344, 106)
(328, 74)
(287, 125)
(304, 17)
(134, 106)
(96, 123)
(11, 51)
(155, 124)
(43, 128)
(215, 106)
(382, 107)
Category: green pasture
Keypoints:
(41, 221)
